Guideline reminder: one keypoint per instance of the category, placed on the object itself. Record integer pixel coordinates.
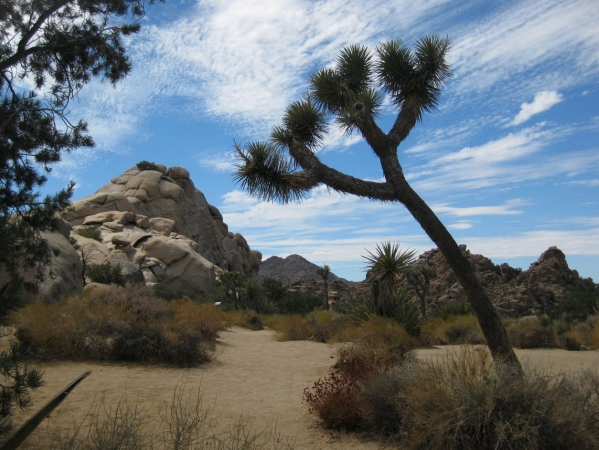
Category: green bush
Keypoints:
(147, 165)
(91, 233)
(580, 301)
(448, 309)
(106, 273)
(298, 303)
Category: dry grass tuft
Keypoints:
(184, 423)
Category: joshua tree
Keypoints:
(386, 264)
(420, 279)
(233, 282)
(325, 272)
(352, 92)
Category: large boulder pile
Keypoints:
(514, 292)
(159, 228)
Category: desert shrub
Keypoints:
(401, 309)
(293, 328)
(580, 301)
(466, 401)
(450, 309)
(319, 326)
(334, 398)
(91, 233)
(298, 303)
(250, 320)
(165, 292)
(380, 339)
(147, 165)
(121, 324)
(527, 332)
(106, 273)
(462, 329)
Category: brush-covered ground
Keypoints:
(182, 374)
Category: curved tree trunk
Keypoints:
(486, 313)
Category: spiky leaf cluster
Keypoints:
(266, 174)
(414, 78)
(386, 264)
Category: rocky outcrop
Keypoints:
(514, 292)
(61, 277)
(339, 292)
(159, 228)
(291, 269)
(299, 275)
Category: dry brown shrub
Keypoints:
(121, 324)
(293, 328)
(527, 332)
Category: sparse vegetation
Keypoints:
(90, 233)
(147, 165)
(185, 422)
(106, 273)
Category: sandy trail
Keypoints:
(253, 375)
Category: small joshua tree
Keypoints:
(324, 272)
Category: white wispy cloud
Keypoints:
(217, 161)
(499, 210)
(509, 160)
(515, 40)
(543, 101)
(590, 183)
(533, 243)
(461, 225)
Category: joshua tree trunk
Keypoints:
(487, 315)
(326, 294)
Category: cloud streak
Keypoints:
(543, 101)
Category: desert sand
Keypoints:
(253, 376)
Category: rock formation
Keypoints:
(291, 269)
(299, 275)
(514, 292)
(159, 228)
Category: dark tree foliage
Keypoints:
(57, 46)
(581, 300)
(350, 93)
(16, 381)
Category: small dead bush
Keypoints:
(335, 398)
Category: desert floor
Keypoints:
(253, 376)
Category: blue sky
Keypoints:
(510, 161)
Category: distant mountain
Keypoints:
(292, 269)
